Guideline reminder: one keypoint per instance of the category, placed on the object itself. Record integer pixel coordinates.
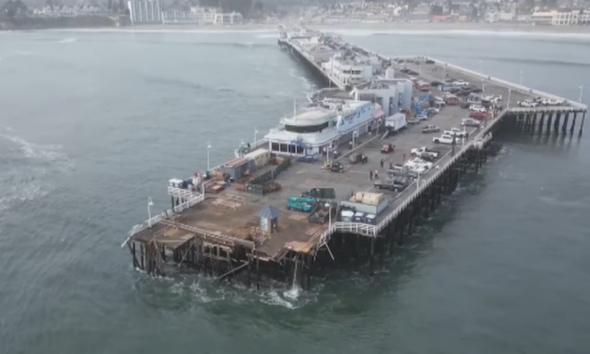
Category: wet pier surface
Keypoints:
(220, 233)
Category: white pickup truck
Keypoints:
(443, 139)
(424, 151)
(456, 132)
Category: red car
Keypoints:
(478, 115)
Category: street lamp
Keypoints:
(520, 82)
(150, 204)
(581, 93)
(508, 100)
(255, 135)
(483, 86)
(208, 157)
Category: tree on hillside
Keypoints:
(209, 3)
(241, 6)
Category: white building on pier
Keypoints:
(315, 129)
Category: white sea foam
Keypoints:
(306, 83)
(67, 40)
(27, 179)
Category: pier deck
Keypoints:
(219, 227)
(231, 213)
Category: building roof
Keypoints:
(269, 212)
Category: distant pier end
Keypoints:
(347, 178)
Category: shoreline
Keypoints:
(359, 28)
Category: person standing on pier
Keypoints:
(382, 162)
(371, 175)
(376, 174)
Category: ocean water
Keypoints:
(93, 123)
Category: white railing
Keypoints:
(182, 193)
(357, 228)
(545, 109)
(412, 190)
(164, 215)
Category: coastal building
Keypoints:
(349, 70)
(145, 11)
(561, 17)
(180, 18)
(214, 16)
(67, 11)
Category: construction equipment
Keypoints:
(417, 106)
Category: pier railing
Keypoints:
(413, 190)
(196, 199)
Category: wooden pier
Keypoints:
(221, 234)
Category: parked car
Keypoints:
(470, 122)
(422, 116)
(443, 139)
(387, 149)
(477, 108)
(431, 111)
(358, 158)
(456, 132)
(435, 83)
(396, 184)
(336, 167)
(425, 151)
(478, 115)
(465, 105)
(460, 83)
(527, 103)
(429, 61)
(430, 129)
(418, 164)
(413, 121)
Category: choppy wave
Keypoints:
(27, 168)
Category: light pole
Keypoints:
(581, 93)
(508, 100)
(444, 72)
(483, 86)
(208, 158)
(520, 82)
(255, 135)
(150, 204)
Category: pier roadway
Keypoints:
(490, 86)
